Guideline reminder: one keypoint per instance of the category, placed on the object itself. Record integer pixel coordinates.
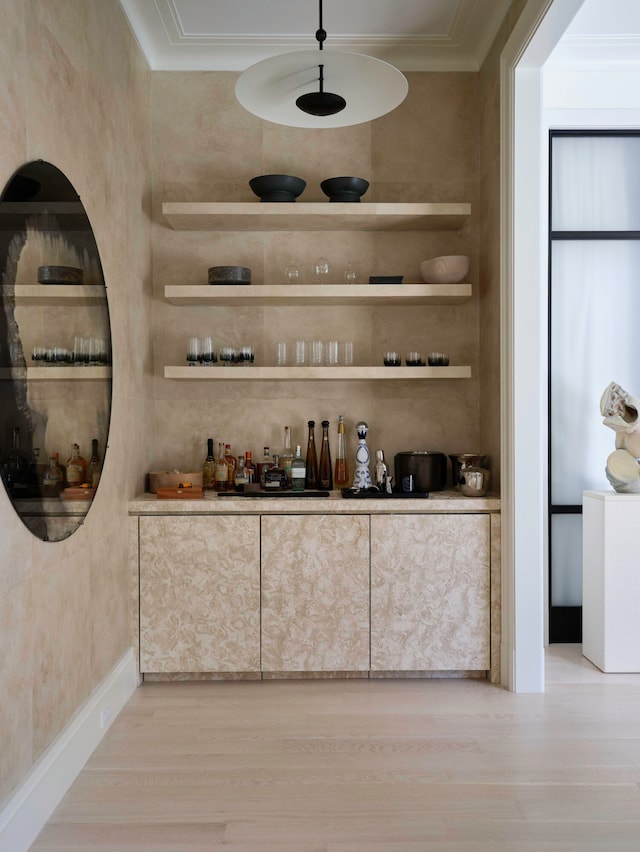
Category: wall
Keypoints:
(206, 147)
(76, 92)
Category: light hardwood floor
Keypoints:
(365, 766)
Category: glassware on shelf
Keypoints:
(193, 351)
(348, 353)
(300, 353)
(317, 353)
(207, 355)
(245, 355)
(292, 273)
(321, 270)
(332, 348)
(281, 353)
(350, 275)
(392, 359)
(227, 355)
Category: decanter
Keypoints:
(362, 474)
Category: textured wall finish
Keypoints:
(75, 91)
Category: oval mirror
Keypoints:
(55, 353)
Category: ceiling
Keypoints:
(231, 35)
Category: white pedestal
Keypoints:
(611, 580)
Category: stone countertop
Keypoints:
(212, 504)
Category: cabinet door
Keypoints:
(315, 593)
(430, 592)
(200, 594)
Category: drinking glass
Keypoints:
(392, 359)
(350, 275)
(227, 355)
(193, 351)
(292, 274)
(281, 353)
(300, 353)
(413, 359)
(317, 353)
(348, 352)
(207, 354)
(332, 353)
(246, 355)
(320, 270)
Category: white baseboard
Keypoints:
(29, 808)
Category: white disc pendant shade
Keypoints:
(371, 87)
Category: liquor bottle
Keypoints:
(298, 471)
(208, 468)
(94, 468)
(61, 468)
(76, 467)
(231, 467)
(341, 476)
(381, 473)
(325, 474)
(241, 478)
(311, 479)
(221, 470)
(15, 468)
(362, 474)
(264, 465)
(52, 479)
(250, 467)
(286, 455)
(36, 473)
(275, 477)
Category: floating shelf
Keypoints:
(66, 374)
(57, 294)
(317, 294)
(313, 216)
(293, 374)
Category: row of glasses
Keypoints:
(415, 359)
(321, 271)
(87, 351)
(315, 353)
(201, 352)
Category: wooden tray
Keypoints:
(193, 493)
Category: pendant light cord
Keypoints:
(321, 33)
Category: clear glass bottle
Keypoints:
(341, 475)
(76, 467)
(208, 468)
(298, 471)
(381, 472)
(221, 470)
(94, 468)
(325, 474)
(286, 455)
(241, 478)
(52, 479)
(311, 478)
(250, 467)
(231, 467)
(275, 477)
(264, 465)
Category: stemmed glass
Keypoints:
(320, 270)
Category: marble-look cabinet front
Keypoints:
(269, 594)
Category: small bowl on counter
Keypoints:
(229, 275)
(448, 269)
(344, 188)
(277, 187)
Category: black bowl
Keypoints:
(344, 188)
(277, 187)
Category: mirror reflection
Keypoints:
(55, 353)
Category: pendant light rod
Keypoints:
(321, 33)
(321, 102)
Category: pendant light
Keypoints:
(291, 88)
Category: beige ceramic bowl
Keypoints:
(448, 269)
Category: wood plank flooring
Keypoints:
(365, 766)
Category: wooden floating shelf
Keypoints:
(313, 216)
(317, 294)
(36, 374)
(297, 374)
(49, 295)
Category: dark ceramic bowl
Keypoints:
(59, 275)
(277, 187)
(229, 275)
(344, 188)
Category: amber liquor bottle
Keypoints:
(221, 470)
(325, 474)
(341, 475)
(76, 467)
(311, 478)
(231, 467)
(208, 468)
(250, 467)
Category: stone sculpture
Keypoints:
(621, 412)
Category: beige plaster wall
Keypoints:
(206, 147)
(75, 91)
(489, 239)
